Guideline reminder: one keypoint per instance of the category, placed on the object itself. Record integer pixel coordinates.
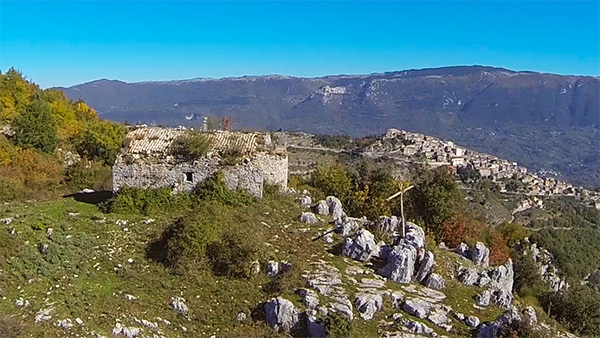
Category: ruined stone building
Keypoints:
(148, 161)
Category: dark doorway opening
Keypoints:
(189, 177)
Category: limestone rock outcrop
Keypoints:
(281, 314)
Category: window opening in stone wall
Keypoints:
(189, 177)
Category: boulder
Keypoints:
(483, 298)
(361, 246)
(346, 226)
(387, 225)
(472, 321)
(397, 298)
(418, 328)
(425, 267)
(417, 307)
(468, 276)
(502, 298)
(281, 314)
(335, 207)
(415, 236)
(344, 307)
(272, 268)
(368, 304)
(241, 317)
(321, 208)
(308, 218)
(480, 254)
(490, 330)
(435, 281)
(530, 315)
(316, 328)
(462, 249)
(400, 263)
(305, 202)
(501, 277)
(309, 298)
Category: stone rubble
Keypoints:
(178, 304)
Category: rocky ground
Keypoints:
(69, 270)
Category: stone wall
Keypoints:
(149, 172)
(274, 168)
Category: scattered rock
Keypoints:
(79, 321)
(346, 226)
(272, 268)
(49, 232)
(361, 246)
(343, 306)
(417, 307)
(316, 328)
(308, 218)
(255, 267)
(472, 321)
(530, 316)
(129, 332)
(400, 263)
(241, 317)
(425, 267)
(468, 276)
(178, 304)
(462, 249)
(435, 281)
(322, 208)
(335, 207)
(64, 323)
(21, 302)
(281, 314)
(397, 298)
(305, 202)
(6, 221)
(43, 315)
(480, 254)
(148, 221)
(483, 298)
(86, 191)
(43, 248)
(418, 327)
(309, 298)
(502, 298)
(368, 304)
(130, 297)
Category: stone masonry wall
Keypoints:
(142, 172)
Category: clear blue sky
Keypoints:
(65, 43)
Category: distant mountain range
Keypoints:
(544, 121)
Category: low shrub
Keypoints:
(215, 188)
(148, 201)
(231, 156)
(337, 325)
(334, 141)
(192, 145)
(238, 247)
(11, 327)
(187, 239)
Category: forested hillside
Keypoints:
(51, 144)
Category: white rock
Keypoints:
(281, 314)
(272, 268)
(178, 304)
(472, 321)
(435, 281)
(361, 246)
(368, 304)
(400, 263)
(425, 267)
(308, 218)
(480, 254)
(305, 202)
(241, 317)
(417, 307)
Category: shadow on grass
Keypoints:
(96, 197)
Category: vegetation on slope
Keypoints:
(52, 144)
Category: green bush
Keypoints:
(187, 239)
(7, 190)
(236, 250)
(337, 325)
(231, 156)
(88, 174)
(215, 188)
(192, 145)
(148, 201)
(578, 309)
(332, 180)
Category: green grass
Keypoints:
(88, 260)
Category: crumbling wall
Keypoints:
(149, 172)
(274, 168)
